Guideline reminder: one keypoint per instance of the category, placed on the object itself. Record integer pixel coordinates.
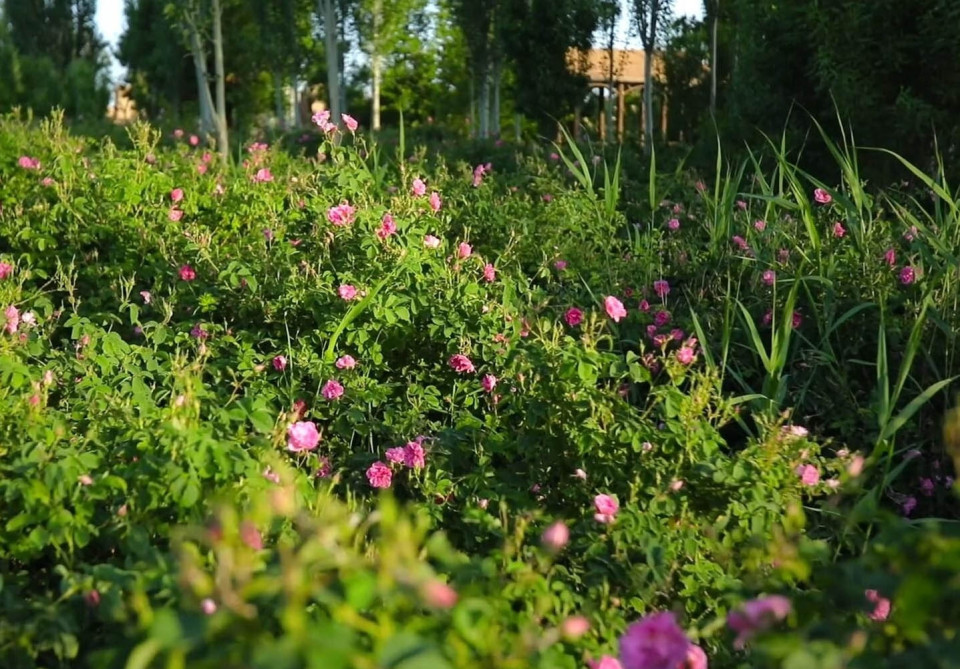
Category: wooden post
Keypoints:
(663, 116)
(576, 121)
(643, 115)
(603, 114)
(621, 110)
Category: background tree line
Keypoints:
(494, 67)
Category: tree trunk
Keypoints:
(278, 106)
(295, 101)
(376, 65)
(648, 102)
(375, 70)
(221, 117)
(495, 102)
(713, 58)
(473, 108)
(343, 66)
(484, 102)
(333, 60)
(203, 86)
(608, 107)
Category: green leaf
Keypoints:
(143, 655)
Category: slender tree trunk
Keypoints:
(333, 60)
(516, 126)
(495, 102)
(203, 86)
(713, 58)
(343, 67)
(376, 65)
(608, 107)
(278, 105)
(473, 108)
(484, 102)
(648, 101)
(221, 118)
(295, 101)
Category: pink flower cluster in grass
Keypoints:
(461, 364)
(346, 362)
(606, 507)
(379, 475)
(478, 173)
(332, 390)
(302, 436)
(388, 227)
(341, 214)
(615, 309)
(11, 316)
(756, 616)
(658, 642)
(410, 455)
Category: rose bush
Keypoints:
(209, 376)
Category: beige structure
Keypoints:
(621, 75)
(124, 108)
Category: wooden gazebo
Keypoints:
(617, 76)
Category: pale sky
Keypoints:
(110, 22)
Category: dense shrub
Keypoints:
(207, 373)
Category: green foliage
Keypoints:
(155, 514)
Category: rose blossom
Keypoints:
(332, 390)
(461, 363)
(615, 308)
(302, 436)
(655, 642)
(607, 508)
(757, 615)
(573, 317)
(379, 475)
(881, 608)
(556, 536)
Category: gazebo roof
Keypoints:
(628, 65)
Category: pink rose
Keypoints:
(556, 536)
(757, 615)
(346, 362)
(461, 364)
(655, 642)
(881, 606)
(332, 390)
(615, 308)
(379, 475)
(302, 436)
(606, 507)
(573, 317)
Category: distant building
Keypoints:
(616, 77)
(124, 107)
